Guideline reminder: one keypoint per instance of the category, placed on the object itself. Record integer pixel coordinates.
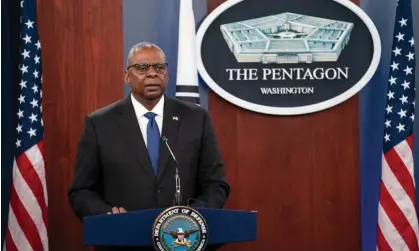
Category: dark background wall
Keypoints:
(10, 11)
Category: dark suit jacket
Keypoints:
(113, 167)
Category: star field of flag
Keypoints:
(30, 123)
(401, 84)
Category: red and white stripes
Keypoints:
(28, 210)
(397, 218)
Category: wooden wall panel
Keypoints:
(300, 173)
(82, 71)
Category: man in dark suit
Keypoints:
(123, 165)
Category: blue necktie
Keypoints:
(153, 140)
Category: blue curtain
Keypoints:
(9, 63)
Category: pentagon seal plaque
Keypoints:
(180, 228)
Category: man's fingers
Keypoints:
(116, 210)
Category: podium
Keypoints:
(136, 228)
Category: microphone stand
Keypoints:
(178, 194)
(178, 197)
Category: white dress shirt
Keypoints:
(140, 110)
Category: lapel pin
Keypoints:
(175, 118)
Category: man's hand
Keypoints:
(116, 210)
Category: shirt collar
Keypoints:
(140, 110)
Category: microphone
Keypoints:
(178, 194)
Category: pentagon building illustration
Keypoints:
(287, 38)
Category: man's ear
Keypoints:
(127, 78)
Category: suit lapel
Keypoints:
(132, 133)
(171, 121)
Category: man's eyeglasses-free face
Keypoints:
(144, 67)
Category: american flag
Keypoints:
(28, 210)
(397, 218)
